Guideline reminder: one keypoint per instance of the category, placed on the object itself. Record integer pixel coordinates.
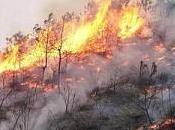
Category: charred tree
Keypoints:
(48, 23)
(60, 52)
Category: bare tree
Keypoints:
(48, 23)
(22, 110)
(148, 96)
(46, 39)
(60, 52)
(69, 97)
(5, 97)
(145, 103)
(65, 18)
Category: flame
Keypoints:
(75, 42)
(78, 38)
(160, 48)
(130, 22)
(165, 124)
(10, 59)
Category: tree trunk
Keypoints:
(146, 109)
(46, 56)
(59, 70)
(148, 116)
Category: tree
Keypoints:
(148, 94)
(65, 18)
(22, 111)
(69, 97)
(43, 35)
(60, 52)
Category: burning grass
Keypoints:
(76, 37)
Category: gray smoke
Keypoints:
(124, 62)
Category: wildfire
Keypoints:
(130, 22)
(77, 38)
(75, 42)
(10, 59)
(166, 124)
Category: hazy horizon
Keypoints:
(22, 15)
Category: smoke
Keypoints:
(98, 70)
(163, 27)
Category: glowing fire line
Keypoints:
(76, 39)
(75, 43)
(130, 22)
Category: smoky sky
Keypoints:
(22, 15)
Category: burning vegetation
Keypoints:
(73, 35)
(109, 62)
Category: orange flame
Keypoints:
(130, 22)
(77, 37)
(75, 42)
